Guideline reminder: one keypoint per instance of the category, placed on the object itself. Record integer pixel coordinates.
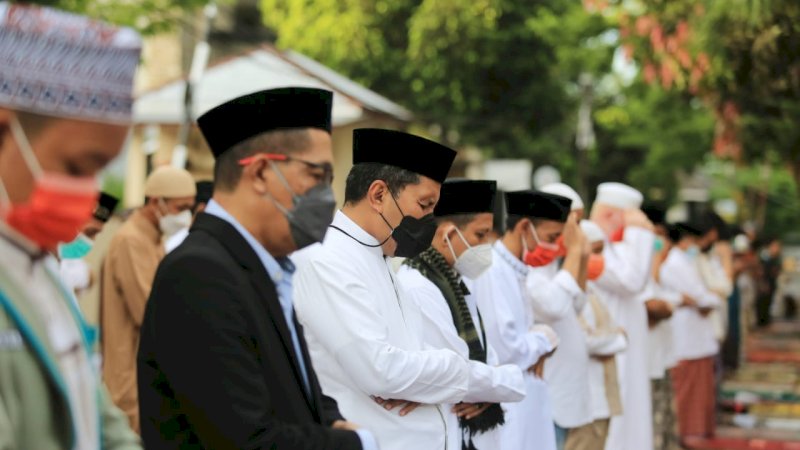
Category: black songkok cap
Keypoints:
(406, 151)
(105, 207)
(538, 205)
(656, 214)
(466, 197)
(276, 109)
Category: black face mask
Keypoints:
(707, 248)
(413, 236)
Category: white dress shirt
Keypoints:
(557, 300)
(693, 334)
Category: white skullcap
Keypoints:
(564, 191)
(170, 182)
(741, 244)
(619, 195)
(61, 64)
(592, 231)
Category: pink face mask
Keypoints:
(544, 253)
(58, 207)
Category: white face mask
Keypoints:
(474, 261)
(173, 223)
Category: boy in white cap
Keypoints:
(628, 258)
(604, 340)
(128, 271)
(66, 87)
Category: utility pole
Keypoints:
(584, 136)
(202, 51)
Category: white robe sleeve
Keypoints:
(488, 383)
(555, 298)
(512, 344)
(628, 263)
(606, 344)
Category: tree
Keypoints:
(491, 73)
(147, 16)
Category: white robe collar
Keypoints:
(519, 267)
(353, 231)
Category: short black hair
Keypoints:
(513, 219)
(228, 172)
(362, 176)
(459, 220)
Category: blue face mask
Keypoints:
(693, 251)
(76, 249)
(658, 244)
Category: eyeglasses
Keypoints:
(326, 168)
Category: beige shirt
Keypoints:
(128, 272)
(37, 278)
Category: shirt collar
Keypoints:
(518, 266)
(276, 270)
(354, 232)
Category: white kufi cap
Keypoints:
(564, 191)
(592, 231)
(619, 195)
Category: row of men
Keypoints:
(487, 303)
(243, 342)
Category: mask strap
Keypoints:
(384, 217)
(25, 148)
(5, 199)
(450, 245)
(283, 181)
(535, 234)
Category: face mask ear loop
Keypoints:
(450, 245)
(5, 199)
(463, 239)
(535, 234)
(25, 148)
(283, 181)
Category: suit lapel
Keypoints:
(239, 248)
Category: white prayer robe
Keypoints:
(622, 284)
(439, 331)
(716, 280)
(501, 297)
(365, 339)
(693, 334)
(659, 339)
(600, 343)
(557, 300)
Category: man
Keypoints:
(535, 221)
(715, 263)
(65, 111)
(364, 333)
(695, 344)
(604, 341)
(222, 361)
(75, 271)
(433, 279)
(556, 291)
(628, 256)
(660, 303)
(128, 271)
(205, 190)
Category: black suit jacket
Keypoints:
(216, 364)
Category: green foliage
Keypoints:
(493, 73)
(146, 16)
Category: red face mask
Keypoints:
(618, 235)
(544, 253)
(58, 207)
(595, 266)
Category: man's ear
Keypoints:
(257, 174)
(377, 194)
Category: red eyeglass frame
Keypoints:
(327, 169)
